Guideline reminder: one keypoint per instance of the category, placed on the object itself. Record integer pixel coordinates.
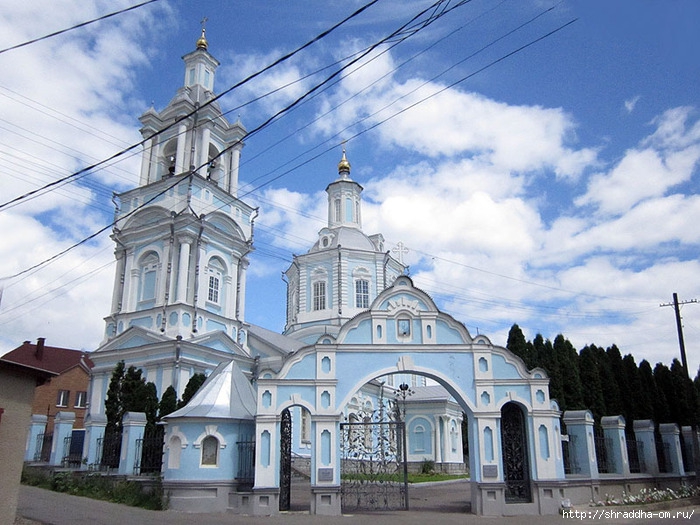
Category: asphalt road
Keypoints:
(433, 504)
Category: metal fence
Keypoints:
(42, 452)
(635, 455)
(246, 464)
(602, 446)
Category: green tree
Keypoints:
(191, 388)
(168, 403)
(114, 408)
(637, 397)
(616, 405)
(546, 358)
(519, 346)
(654, 401)
(593, 398)
(571, 387)
(664, 384)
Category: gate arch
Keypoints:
(480, 376)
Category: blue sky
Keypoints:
(556, 188)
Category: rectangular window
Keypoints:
(80, 400)
(213, 289)
(362, 294)
(63, 398)
(319, 295)
(404, 327)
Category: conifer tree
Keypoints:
(637, 397)
(664, 384)
(593, 392)
(568, 360)
(546, 358)
(114, 408)
(168, 403)
(655, 401)
(519, 346)
(191, 388)
(616, 405)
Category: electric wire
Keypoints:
(255, 130)
(84, 171)
(77, 26)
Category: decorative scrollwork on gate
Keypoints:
(285, 460)
(373, 466)
(515, 454)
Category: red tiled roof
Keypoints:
(50, 358)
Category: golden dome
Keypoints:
(344, 164)
(202, 42)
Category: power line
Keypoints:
(83, 172)
(77, 26)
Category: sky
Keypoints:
(539, 159)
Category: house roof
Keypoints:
(51, 359)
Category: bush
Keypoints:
(97, 486)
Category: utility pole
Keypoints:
(681, 343)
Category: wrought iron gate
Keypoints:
(285, 460)
(374, 474)
(515, 454)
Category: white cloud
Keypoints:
(631, 103)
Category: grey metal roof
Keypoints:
(226, 394)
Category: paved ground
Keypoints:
(434, 504)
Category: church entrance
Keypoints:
(516, 469)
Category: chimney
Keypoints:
(39, 354)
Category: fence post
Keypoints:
(37, 426)
(689, 465)
(95, 425)
(644, 432)
(133, 425)
(670, 435)
(614, 432)
(62, 428)
(579, 425)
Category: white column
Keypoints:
(119, 277)
(134, 289)
(233, 177)
(204, 151)
(241, 292)
(231, 296)
(146, 162)
(183, 271)
(181, 145)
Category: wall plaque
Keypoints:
(325, 474)
(490, 471)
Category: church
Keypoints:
(365, 356)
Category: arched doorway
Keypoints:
(516, 465)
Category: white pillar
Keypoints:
(241, 290)
(233, 177)
(181, 145)
(183, 271)
(146, 162)
(204, 152)
(134, 289)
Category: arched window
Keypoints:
(305, 426)
(149, 277)
(215, 275)
(319, 295)
(337, 209)
(174, 450)
(362, 293)
(210, 451)
(419, 438)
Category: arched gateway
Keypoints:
(511, 420)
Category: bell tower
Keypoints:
(182, 236)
